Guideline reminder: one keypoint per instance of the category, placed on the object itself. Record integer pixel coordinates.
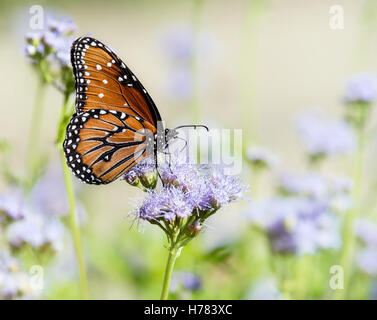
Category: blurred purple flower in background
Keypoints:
(35, 220)
(14, 283)
(60, 25)
(324, 137)
(366, 258)
(182, 46)
(316, 186)
(178, 44)
(261, 157)
(37, 231)
(49, 50)
(296, 225)
(310, 184)
(49, 195)
(264, 289)
(185, 281)
(53, 42)
(373, 290)
(361, 88)
(366, 231)
(179, 83)
(12, 206)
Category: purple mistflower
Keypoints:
(309, 184)
(189, 194)
(179, 83)
(168, 204)
(144, 167)
(340, 184)
(323, 137)
(181, 173)
(178, 44)
(185, 281)
(373, 290)
(361, 88)
(143, 174)
(13, 206)
(264, 289)
(48, 194)
(63, 51)
(54, 41)
(14, 283)
(49, 50)
(36, 231)
(7, 262)
(223, 188)
(367, 231)
(296, 225)
(261, 157)
(60, 25)
(366, 260)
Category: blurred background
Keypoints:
(275, 69)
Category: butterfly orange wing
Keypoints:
(115, 116)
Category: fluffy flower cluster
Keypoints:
(361, 88)
(297, 225)
(323, 137)
(314, 185)
(180, 45)
(34, 221)
(53, 42)
(366, 258)
(261, 158)
(303, 218)
(49, 49)
(190, 194)
(264, 288)
(12, 206)
(184, 285)
(14, 283)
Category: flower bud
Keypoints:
(132, 178)
(149, 179)
(194, 228)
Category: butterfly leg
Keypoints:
(156, 165)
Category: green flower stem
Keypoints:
(174, 252)
(35, 131)
(301, 276)
(73, 223)
(75, 228)
(349, 240)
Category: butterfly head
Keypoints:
(170, 134)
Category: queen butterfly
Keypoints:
(116, 123)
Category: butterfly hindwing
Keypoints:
(101, 145)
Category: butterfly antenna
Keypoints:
(192, 126)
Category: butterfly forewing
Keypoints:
(104, 81)
(114, 115)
